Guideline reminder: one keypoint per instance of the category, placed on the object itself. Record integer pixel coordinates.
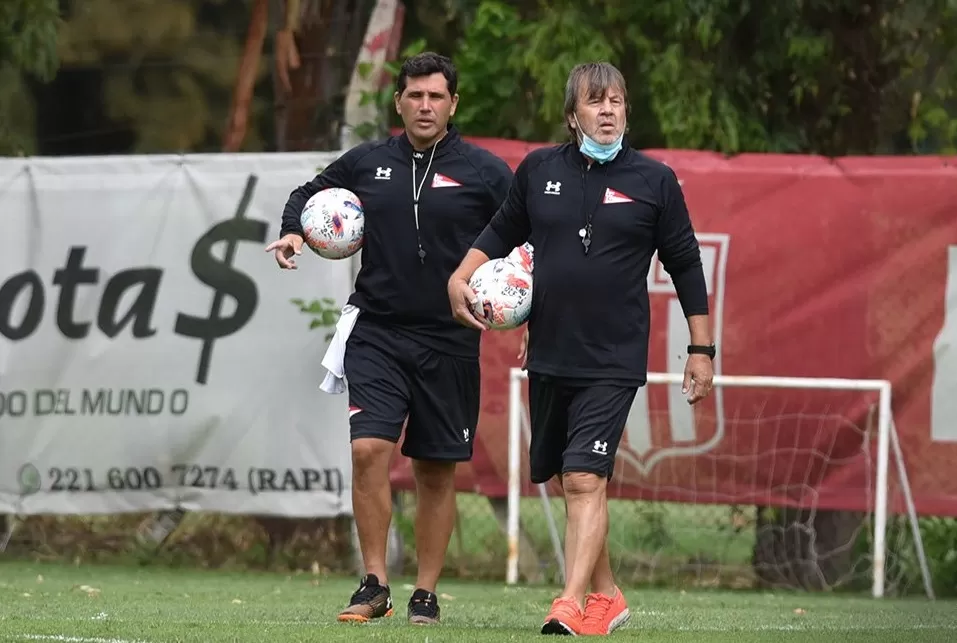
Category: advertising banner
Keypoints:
(820, 268)
(153, 356)
(151, 353)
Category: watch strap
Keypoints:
(698, 349)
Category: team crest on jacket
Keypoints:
(442, 181)
(614, 196)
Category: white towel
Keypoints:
(335, 380)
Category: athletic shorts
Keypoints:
(392, 378)
(576, 425)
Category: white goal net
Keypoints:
(769, 482)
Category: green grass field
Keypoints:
(649, 542)
(126, 604)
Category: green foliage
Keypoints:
(822, 76)
(825, 76)
(325, 313)
(383, 98)
(17, 121)
(903, 571)
(168, 68)
(939, 536)
(28, 45)
(497, 93)
(28, 33)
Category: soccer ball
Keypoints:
(334, 223)
(524, 256)
(503, 294)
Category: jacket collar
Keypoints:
(444, 145)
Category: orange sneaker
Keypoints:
(565, 617)
(604, 614)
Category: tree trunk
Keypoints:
(238, 121)
(328, 40)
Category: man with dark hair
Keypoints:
(598, 211)
(400, 351)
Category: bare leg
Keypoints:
(372, 501)
(602, 578)
(571, 534)
(434, 518)
(586, 530)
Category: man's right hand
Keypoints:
(462, 300)
(285, 248)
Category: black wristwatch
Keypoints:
(710, 351)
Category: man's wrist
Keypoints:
(470, 263)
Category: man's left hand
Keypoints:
(699, 374)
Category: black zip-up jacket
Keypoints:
(460, 191)
(590, 317)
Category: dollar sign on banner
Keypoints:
(218, 274)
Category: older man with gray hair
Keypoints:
(598, 210)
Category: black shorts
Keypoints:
(392, 377)
(576, 425)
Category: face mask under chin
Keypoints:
(601, 153)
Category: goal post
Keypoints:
(749, 415)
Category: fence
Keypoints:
(156, 339)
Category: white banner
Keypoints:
(151, 356)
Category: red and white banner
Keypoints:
(815, 268)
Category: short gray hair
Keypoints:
(595, 79)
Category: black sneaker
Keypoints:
(423, 608)
(371, 600)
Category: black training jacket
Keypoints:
(590, 315)
(404, 272)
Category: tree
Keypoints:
(824, 76)
(28, 45)
(162, 72)
(317, 50)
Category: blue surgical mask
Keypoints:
(593, 149)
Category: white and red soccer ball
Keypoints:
(524, 256)
(503, 293)
(334, 223)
